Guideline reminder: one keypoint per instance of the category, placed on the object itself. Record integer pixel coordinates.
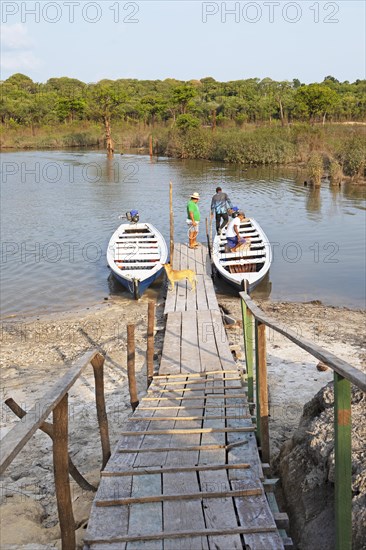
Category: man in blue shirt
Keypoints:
(219, 205)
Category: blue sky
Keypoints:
(183, 39)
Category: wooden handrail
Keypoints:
(18, 436)
(343, 368)
(344, 375)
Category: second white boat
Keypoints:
(250, 264)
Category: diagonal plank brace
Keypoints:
(185, 534)
(178, 431)
(188, 496)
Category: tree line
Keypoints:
(170, 102)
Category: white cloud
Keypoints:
(16, 49)
(19, 61)
(15, 37)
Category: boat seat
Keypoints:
(134, 266)
(242, 254)
(242, 261)
(246, 268)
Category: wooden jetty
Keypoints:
(186, 473)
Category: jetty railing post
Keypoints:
(150, 342)
(61, 472)
(248, 347)
(262, 389)
(131, 366)
(171, 223)
(98, 368)
(343, 462)
(257, 386)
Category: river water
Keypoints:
(59, 209)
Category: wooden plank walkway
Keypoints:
(186, 473)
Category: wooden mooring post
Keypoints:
(131, 366)
(343, 462)
(150, 146)
(150, 342)
(61, 471)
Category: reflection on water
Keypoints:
(59, 209)
(314, 203)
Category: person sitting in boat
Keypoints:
(233, 237)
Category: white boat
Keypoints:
(135, 254)
(249, 264)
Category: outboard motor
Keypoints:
(133, 216)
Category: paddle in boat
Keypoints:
(249, 264)
(135, 254)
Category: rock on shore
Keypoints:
(307, 471)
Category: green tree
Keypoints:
(315, 101)
(103, 104)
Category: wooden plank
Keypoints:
(17, 437)
(200, 260)
(162, 470)
(150, 457)
(182, 286)
(183, 513)
(207, 342)
(190, 358)
(170, 360)
(218, 480)
(201, 293)
(188, 398)
(145, 519)
(193, 375)
(205, 407)
(255, 511)
(191, 304)
(225, 356)
(108, 523)
(187, 382)
(171, 297)
(210, 294)
(206, 388)
(341, 367)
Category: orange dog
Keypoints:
(175, 275)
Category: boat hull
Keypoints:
(135, 287)
(259, 256)
(132, 249)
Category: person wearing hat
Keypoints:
(233, 237)
(220, 204)
(193, 219)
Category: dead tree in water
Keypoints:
(108, 136)
(106, 98)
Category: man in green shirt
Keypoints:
(193, 219)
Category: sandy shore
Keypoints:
(36, 351)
